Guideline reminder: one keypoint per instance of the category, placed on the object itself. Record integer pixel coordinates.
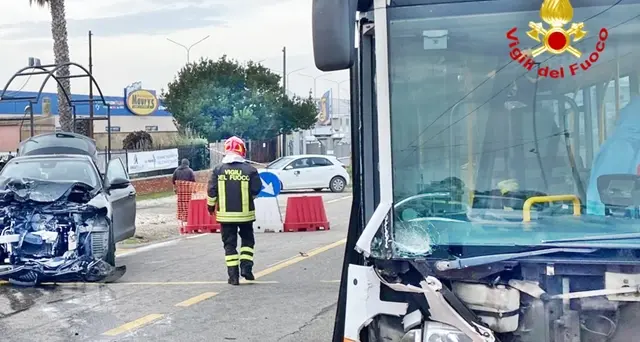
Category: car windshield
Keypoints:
(279, 163)
(497, 141)
(57, 170)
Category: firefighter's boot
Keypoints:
(246, 271)
(234, 275)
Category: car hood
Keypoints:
(42, 191)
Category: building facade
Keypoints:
(331, 134)
(136, 110)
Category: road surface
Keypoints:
(177, 291)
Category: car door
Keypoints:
(321, 172)
(295, 175)
(123, 201)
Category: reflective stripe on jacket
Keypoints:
(232, 188)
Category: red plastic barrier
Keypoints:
(305, 213)
(199, 220)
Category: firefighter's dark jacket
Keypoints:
(232, 188)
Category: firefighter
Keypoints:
(233, 185)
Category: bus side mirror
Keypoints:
(333, 24)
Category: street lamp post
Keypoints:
(188, 48)
(315, 79)
(315, 88)
(285, 78)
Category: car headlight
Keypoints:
(436, 332)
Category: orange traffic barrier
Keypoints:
(186, 191)
(192, 210)
(305, 213)
(199, 220)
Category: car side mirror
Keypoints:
(118, 183)
(288, 167)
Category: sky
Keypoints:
(130, 40)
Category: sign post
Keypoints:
(268, 214)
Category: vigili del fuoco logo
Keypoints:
(556, 40)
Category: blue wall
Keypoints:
(117, 104)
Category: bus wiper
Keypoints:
(461, 263)
(597, 238)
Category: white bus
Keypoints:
(496, 154)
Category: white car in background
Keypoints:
(310, 171)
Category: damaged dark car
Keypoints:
(60, 219)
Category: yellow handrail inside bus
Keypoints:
(526, 208)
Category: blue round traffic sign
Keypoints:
(270, 185)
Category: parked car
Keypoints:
(310, 171)
(60, 217)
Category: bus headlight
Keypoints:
(438, 332)
(435, 332)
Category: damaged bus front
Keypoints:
(55, 220)
(496, 168)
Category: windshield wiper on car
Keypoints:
(624, 236)
(461, 263)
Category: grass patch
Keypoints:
(154, 195)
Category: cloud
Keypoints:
(130, 39)
(154, 22)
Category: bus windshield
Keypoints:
(513, 124)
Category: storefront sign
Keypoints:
(152, 160)
(142, 102)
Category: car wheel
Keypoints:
(317, 190)
(337, 184)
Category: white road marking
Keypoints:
(197, 236)
(149, 247)
(339, 199)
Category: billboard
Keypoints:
(325, 108)
(141, 101)
(152, 160)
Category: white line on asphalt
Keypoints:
(149, 247)
(339, 199)
(198, 236)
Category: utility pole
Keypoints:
(91, 87)
(284, 90)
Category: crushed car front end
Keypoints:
(54, 232)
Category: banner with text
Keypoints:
(152, 160)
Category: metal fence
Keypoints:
(259, 151)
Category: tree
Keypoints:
(61, 55)
(221, 98)
(138, 140)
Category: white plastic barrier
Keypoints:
(268, 215)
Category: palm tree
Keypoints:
(61, 54)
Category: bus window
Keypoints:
(513, 142)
